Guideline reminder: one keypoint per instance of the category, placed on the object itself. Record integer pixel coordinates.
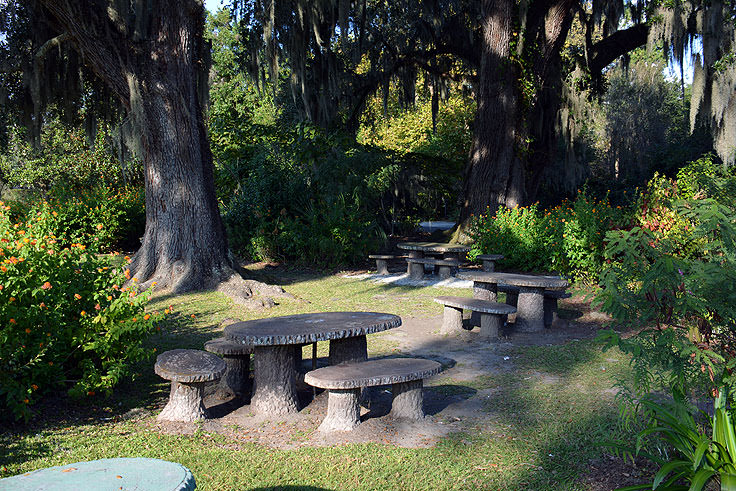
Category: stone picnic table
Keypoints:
(530, 306)
(277, 344)
(137, 473)
(448, 251)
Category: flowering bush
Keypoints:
(65, 318)
(567, 238)
(101, 218)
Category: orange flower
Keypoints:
(12, 321)
(127, 274)
(3, 269)
(135, 319)
(146, 317)
(166, 311)
(12, 299)
(77, 296)
(83, 313)
(46, 286)
(42, 305)
(99, 226)
(109, 297)
(97, 307)
(34, 386)
(28, 331)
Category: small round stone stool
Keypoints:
(236, 380)
(188, 371)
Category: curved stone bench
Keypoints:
(237, 360)
(444, 267)
(489, 261)
(491, 314)
(344, 383)
(189, 370)
(550, 305)
(382, 262)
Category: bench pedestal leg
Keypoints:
(236, 378)
(275, 380)
(444, 272)
(416, 271)
(489, 266)
(530, 313)
(483, 291)
(489, 326)
(407, 400)
(452, 320)
(381, 266)
(185, 403)
(343, 411)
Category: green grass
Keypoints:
(540, 425)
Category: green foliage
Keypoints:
(567, 238)
(65, 318)
(100, 217)
(410, 131)
(311, 198)
(675, 275)
(64, 157)
(694, 457)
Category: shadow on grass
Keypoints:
(290, 488)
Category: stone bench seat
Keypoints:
(491, 314)
(235, 381)
(489, 261)
(189, 370)
(382, 261)
(444, 266)
(345, 381)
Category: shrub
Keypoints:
(102, 218)
(567, 238)
(65, 318)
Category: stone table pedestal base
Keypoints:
(185, 403)
(530, 313)
(275, 380)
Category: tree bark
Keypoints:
(151, 61)
(514, 134)
(494, 175)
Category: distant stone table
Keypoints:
(137, 473)
(276, 340)
(530, 306)
(418, 249)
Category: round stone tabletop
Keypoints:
(310, 328)
(514, 279)
(189, 365)
(432, 247)
(104, 475)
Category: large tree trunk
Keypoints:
(494, 175)
(514, 135)
(150, 58)
(184, 245)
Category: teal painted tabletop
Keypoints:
(127, 474)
